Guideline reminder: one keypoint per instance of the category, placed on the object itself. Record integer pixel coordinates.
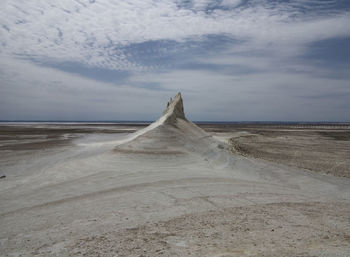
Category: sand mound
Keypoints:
(174, 110)
(171, 133)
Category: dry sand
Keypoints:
(321, 148)
(169, 191)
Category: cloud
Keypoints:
(96, 32)
(231, 3)
(30, 92)
(270, 95)
(233, 59)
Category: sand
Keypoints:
(166, 191)
(323, 149)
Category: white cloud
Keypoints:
(269, 95)
(200, 4)
(33, 92)
(92, 33)
(271, 36)
(231, 3)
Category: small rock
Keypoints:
(3, 176)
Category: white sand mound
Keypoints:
(172, 133)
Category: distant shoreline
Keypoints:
(121, 122)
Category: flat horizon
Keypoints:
(196, 121)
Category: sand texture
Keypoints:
(169, 189)
(323, 150)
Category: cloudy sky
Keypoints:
(232, 60)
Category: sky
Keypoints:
(232, 60)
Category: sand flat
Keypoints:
(85, 198)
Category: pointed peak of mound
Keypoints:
(172, 133)
(174, 110)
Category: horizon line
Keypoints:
(197, 121)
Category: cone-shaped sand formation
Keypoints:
(172, 133)
(174, 110)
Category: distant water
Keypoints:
(77, 121)
(273, 122)
(197, 122)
